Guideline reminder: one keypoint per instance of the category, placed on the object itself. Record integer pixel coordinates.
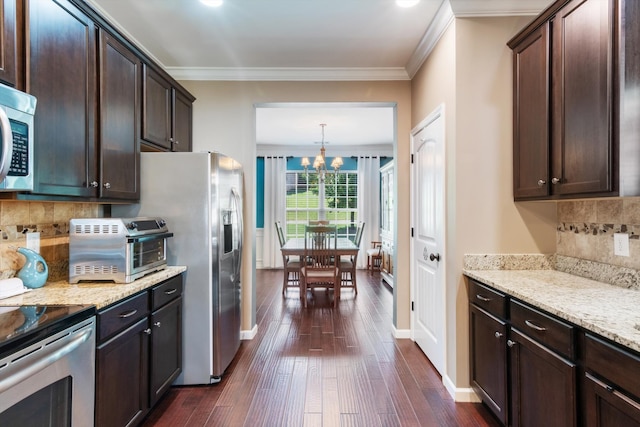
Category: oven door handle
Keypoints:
(31, 364)
(7, 144)
(149, 237)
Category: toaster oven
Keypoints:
(116, 249)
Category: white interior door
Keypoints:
(427, 244)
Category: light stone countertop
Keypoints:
(100, 294)
(610, 311)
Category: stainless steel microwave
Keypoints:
(17, 110)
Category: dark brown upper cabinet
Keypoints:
(10, 18)
(61, 74)
(166, 113)
(120, 79)
(565, 94)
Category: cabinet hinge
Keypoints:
(412, 159)
(411, 305)
(411, 231)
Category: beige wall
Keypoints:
(224, 120)
(470, 72)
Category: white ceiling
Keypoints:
(299, 40)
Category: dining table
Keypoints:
(295, 246)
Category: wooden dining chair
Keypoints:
(348, 266)
(320, 270)
(374, 256)
(318, 222)
(291, 265)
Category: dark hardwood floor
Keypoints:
(322, 367)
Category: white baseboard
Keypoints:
(401, 334)
(460, 394)
(249, 335)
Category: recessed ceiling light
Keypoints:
(405, 3)
(212, 3)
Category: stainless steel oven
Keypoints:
(47, 366)
(116, 249)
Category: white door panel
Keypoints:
(428, 219)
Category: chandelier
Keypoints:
(319, 163)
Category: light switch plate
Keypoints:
(621, 244)
(33, 241)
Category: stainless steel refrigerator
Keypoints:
(200, 197)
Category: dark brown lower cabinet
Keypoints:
(166, 348)
(122, 378)
(138, 353)
(607, 407)
(611, 384)
(489, 360)
(543, 385)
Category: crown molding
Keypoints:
(444, 17)
(288, 74)
(479, 9)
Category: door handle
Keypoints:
(434, 257)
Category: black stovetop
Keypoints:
(21, 326)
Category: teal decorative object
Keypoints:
(35, 272)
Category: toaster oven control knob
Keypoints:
(132, 225)
(162, 223)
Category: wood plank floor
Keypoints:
(322, 367)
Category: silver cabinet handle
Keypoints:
(511, 343)
(147, 331)
(498, 334)
(128, 313)
(171, 140)
(555, 180)
(107, 185)
(94, 184)
(157, 324)
(541, 182)
(534, 326)
(481, 298)
(176, 142)
(170, 291)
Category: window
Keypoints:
(340, 201)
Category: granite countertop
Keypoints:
(100, 294)
(610, 311)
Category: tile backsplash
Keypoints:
(586, 227)
(51, 220)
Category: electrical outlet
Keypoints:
(621, 244)
(33, 241)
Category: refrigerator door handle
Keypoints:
(238, 207)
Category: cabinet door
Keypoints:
(62, 75)
(122, 377)
(607, 407)
(488, 352)
(9, 43)
(119, 118)
(166, 348)
(581, 97)
(531, 116)
(156, 108)
(182, 122)
(543, 385)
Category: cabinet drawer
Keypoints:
(549, 331)
(484, 297)
(166, 291)
(121, 315)
(620, 367)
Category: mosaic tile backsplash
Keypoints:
(586, 227)
(51, 220)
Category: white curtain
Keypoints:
(275, 169)
(368, 204)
